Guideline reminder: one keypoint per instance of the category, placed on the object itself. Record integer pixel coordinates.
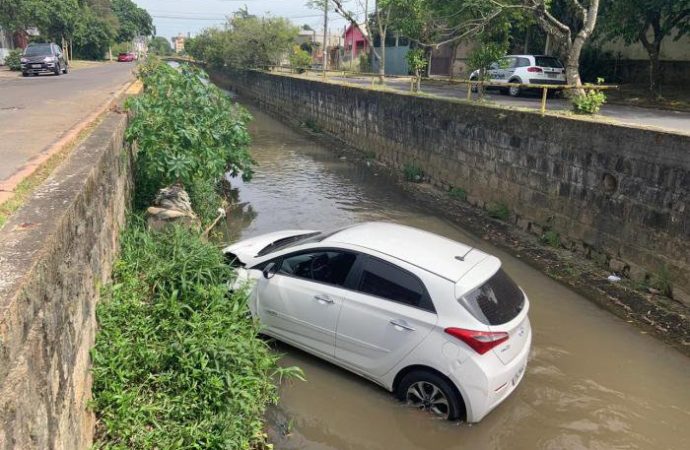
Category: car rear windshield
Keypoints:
(547, 61)
(497, 301)
(38, 50)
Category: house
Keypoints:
(312, 41)
(178, 43)
(355, 42)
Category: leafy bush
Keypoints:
(186, 130)
(300, 60)
(413, 173)
(14, 60)
(458, 194)
(498, 211)
(661, 280)
(177, 361)
(552, 239)
(590, 102)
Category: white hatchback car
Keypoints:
(437, 322)
(525, 69)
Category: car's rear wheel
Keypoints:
(430, 392)
(514, 91)
(25, 74)
(475, 88)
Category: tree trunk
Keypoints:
(453, 54)
(654, 70)
(653, 49)
(382, 61)
(572, 67)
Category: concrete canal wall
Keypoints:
(618, 194)
(55, 253)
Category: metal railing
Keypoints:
(470, 84)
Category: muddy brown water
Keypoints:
(593, 381)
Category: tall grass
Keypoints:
(177, 361)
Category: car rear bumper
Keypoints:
(485, 382)
(549, 81)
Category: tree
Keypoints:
(94, 33)
(381, 18)
(648, 22)
(133, 21)
(55, 19)
(247, 41)
(160, 46)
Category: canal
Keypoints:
(593, 381)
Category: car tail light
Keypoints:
(480, 341)
(535, 69)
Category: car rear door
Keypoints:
(383, 319)
(301, 302)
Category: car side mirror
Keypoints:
(270, 270)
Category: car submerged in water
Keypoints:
(436, 322)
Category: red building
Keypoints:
(355, 41)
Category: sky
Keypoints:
(172, 17)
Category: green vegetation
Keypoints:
(312, 125)
(589, 102)
(92, 26)
(552, 239)
(300, 59)
(482, 57)
(246, 41)
(177, 363)
(160, 46)
(498, 211)
(416, 60)
(458, 193)
(661, 281)
(413, 173)
(187, 131)
(14, 60)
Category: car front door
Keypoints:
(301, 302)
(387, 315)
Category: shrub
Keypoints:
(177, 361)
(499, 211)
(300, 60)
(590, 102)
(552, 239)
(458, 194)
(413, 173)
(14, 60)
(661, 280)
(186, 130)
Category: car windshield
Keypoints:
(548, 61)
(495, 302)
(124, 54)
(38, 50)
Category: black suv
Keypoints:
(43, 58)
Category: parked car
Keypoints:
(437, 322)
(43, 58)
(126, 57)
(524, 69)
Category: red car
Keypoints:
(126, 57)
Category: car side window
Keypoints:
(523, 62)
(328, 266)
(388, 281)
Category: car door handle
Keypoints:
(324, 299)
(402, 324)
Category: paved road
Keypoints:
(669, 120)
(36, 111)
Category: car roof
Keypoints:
(436, 254)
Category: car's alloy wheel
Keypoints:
(58, 70)
(429, 392)
(514, 91)
(428, 397)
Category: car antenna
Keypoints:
(462, 258)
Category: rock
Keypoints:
(172, 205)
(618, 266)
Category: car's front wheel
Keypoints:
(432, 393)
(58, 70)
(25, 74)
(65, 69)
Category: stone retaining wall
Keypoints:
(55, 253)
(618, 194)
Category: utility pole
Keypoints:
(325, 37)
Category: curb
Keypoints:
(8, 185)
